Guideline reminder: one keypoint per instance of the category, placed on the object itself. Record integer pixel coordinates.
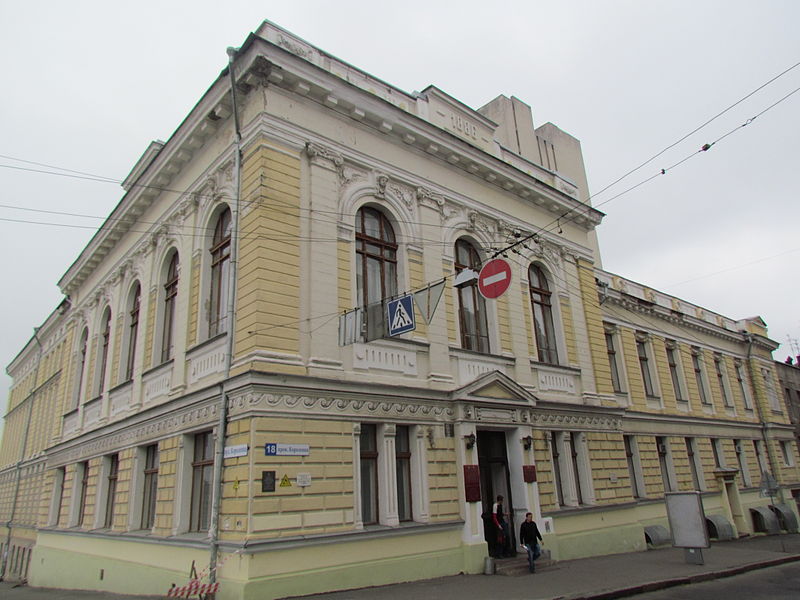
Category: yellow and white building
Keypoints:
(208, 335)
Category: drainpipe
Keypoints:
(30, 399)
(222, 424)
(770, 461)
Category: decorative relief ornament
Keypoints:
(318, 152)
(381, 181)
(348, 174)
(479, 223)
(404, 193)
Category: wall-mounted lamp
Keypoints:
(469, 441)
(527, 442)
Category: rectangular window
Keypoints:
(744, 470)
(664, 461)
(719, 369)
(83, 473)
(576, 473)
(788, 456)
(672, 361)
(369, 474)
(697, 365)
(762, 461)
(695, 465)
(555, 439)
(150, 488)
(748, 405)
(616, 381)
(57, 501)
(202, 481)
(111, 490)
(634, 466)
(644, 364)
(403, 460)
(719, 456)
(772, 396)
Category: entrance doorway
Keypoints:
(493, 464)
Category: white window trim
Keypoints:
(708, 405)
(740, 371)
(697, 461)
(619, 360)
(730, 404)
(744, 467)
(672, 482)
(636, 461)
(387, 475)
(57, 498)
(682, 396)
(788, 454)
(656, 399)
(568, 483)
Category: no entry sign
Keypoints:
(494, 278)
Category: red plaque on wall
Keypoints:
(472, 483)
(529, 473)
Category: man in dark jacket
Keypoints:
(528, 536)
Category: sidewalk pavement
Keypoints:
(596, 578)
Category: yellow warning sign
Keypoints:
(285, 481)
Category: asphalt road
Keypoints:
(773, 583)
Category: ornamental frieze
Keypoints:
(553, 420)
(171, 424)
(339, 406)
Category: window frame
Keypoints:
(695, 464)
(667, 467)
(220, 250)
(149, 497)
(744, 467)
(111, 481)
(368, 457)
(403, 456)
(545, 335)
(132, 314)
(721, 371)
(631, 446)
(701, 379)
(738, 368)
(370, 250)
(202, 494)
(675, 366)
(104, 344)
(644, 354)
(83, 471)
(473, 326)
(168, 307)
(613, 361)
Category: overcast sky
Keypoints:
(87, 85)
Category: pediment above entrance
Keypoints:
(494, 387)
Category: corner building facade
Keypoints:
(578, 395)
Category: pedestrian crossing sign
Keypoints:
(400, 315)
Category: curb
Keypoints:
(668, 583)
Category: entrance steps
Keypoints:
(518, 565)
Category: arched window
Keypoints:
(105, 338)
(376, 268)
(168, 321)
(83, 347)
(220, 263)
(471, 305)
(133, 330)
(542, 315)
